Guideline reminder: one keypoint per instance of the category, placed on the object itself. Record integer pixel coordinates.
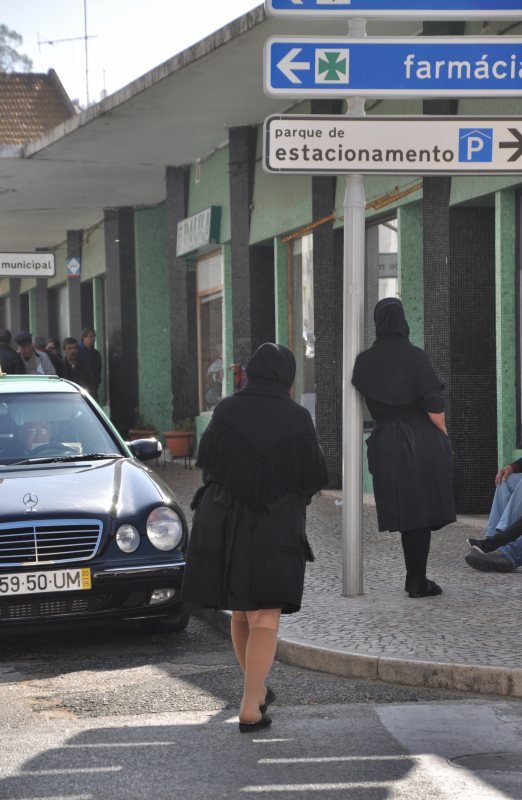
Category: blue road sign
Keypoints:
(415, 67)
(388, 9)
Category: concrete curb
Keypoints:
(476, 679)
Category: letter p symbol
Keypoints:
(476, 145)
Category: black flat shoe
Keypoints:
(250, 727)
(430, 590)
(269, 698)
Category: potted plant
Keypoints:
(142, 429)
(180, 440)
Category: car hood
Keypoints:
(115, 487)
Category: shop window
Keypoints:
(302, 320)
(388, 260)
(382, 276)
(210, 330)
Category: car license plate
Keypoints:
(56, 580)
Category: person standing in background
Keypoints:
(74, 369)
(88, 354)
(10, 361)
(409, 452)
(36, 363)
(52, 348)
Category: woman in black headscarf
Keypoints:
(261, 465)
(409, 453)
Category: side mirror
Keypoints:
(146, 449)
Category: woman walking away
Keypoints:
(409, 453)
(261, 465)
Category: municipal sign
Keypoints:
(393, 145)
(389, 9)
(27, 265)
(393, 67)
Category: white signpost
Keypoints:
(27, 265)
(394, 9)
(393, 145)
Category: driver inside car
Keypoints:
(34, 434)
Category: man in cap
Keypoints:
(10, 362)
(36, 363)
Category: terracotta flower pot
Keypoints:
(180, 443)
(141, 433)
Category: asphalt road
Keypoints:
(115, 713)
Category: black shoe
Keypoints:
(431, 589)
(479, 544)
(269, 698)
(489, 562)
(250, 727)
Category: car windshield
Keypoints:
(51, 425)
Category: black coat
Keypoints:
(10, 361)
(245, 559)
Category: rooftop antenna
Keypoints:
(85, 37)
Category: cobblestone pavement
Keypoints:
(476, 621)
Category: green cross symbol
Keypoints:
(333, 64)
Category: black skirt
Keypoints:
(410, 459)
(242, 559)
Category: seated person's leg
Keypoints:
(507, 505)
(513, 551)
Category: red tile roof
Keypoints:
(30, 105)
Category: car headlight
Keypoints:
(164, 528)
(127, 538)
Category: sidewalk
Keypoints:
(466, 639)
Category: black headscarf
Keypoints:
(393, 370)
(260, 444)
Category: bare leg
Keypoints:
(239, 631)
(259, 657)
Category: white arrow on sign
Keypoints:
(297, 2)
(287, 65)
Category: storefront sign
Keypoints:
(74, 267)
(490, 66)
(393, 145)
(199, 231)
(27, 265)
(389, 9)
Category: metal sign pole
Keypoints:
(353, 340)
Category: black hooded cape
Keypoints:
(393, 370)
(260, 444)
(408, 456)
(261, 463)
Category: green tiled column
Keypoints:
(506, 324)
(411, 269)
(99, 327)
(228, 328)
(281, 292)
(152, 300)
(33, 312)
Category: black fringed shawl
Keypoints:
(260, 444)
(393, 370)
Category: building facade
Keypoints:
(183, 285)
